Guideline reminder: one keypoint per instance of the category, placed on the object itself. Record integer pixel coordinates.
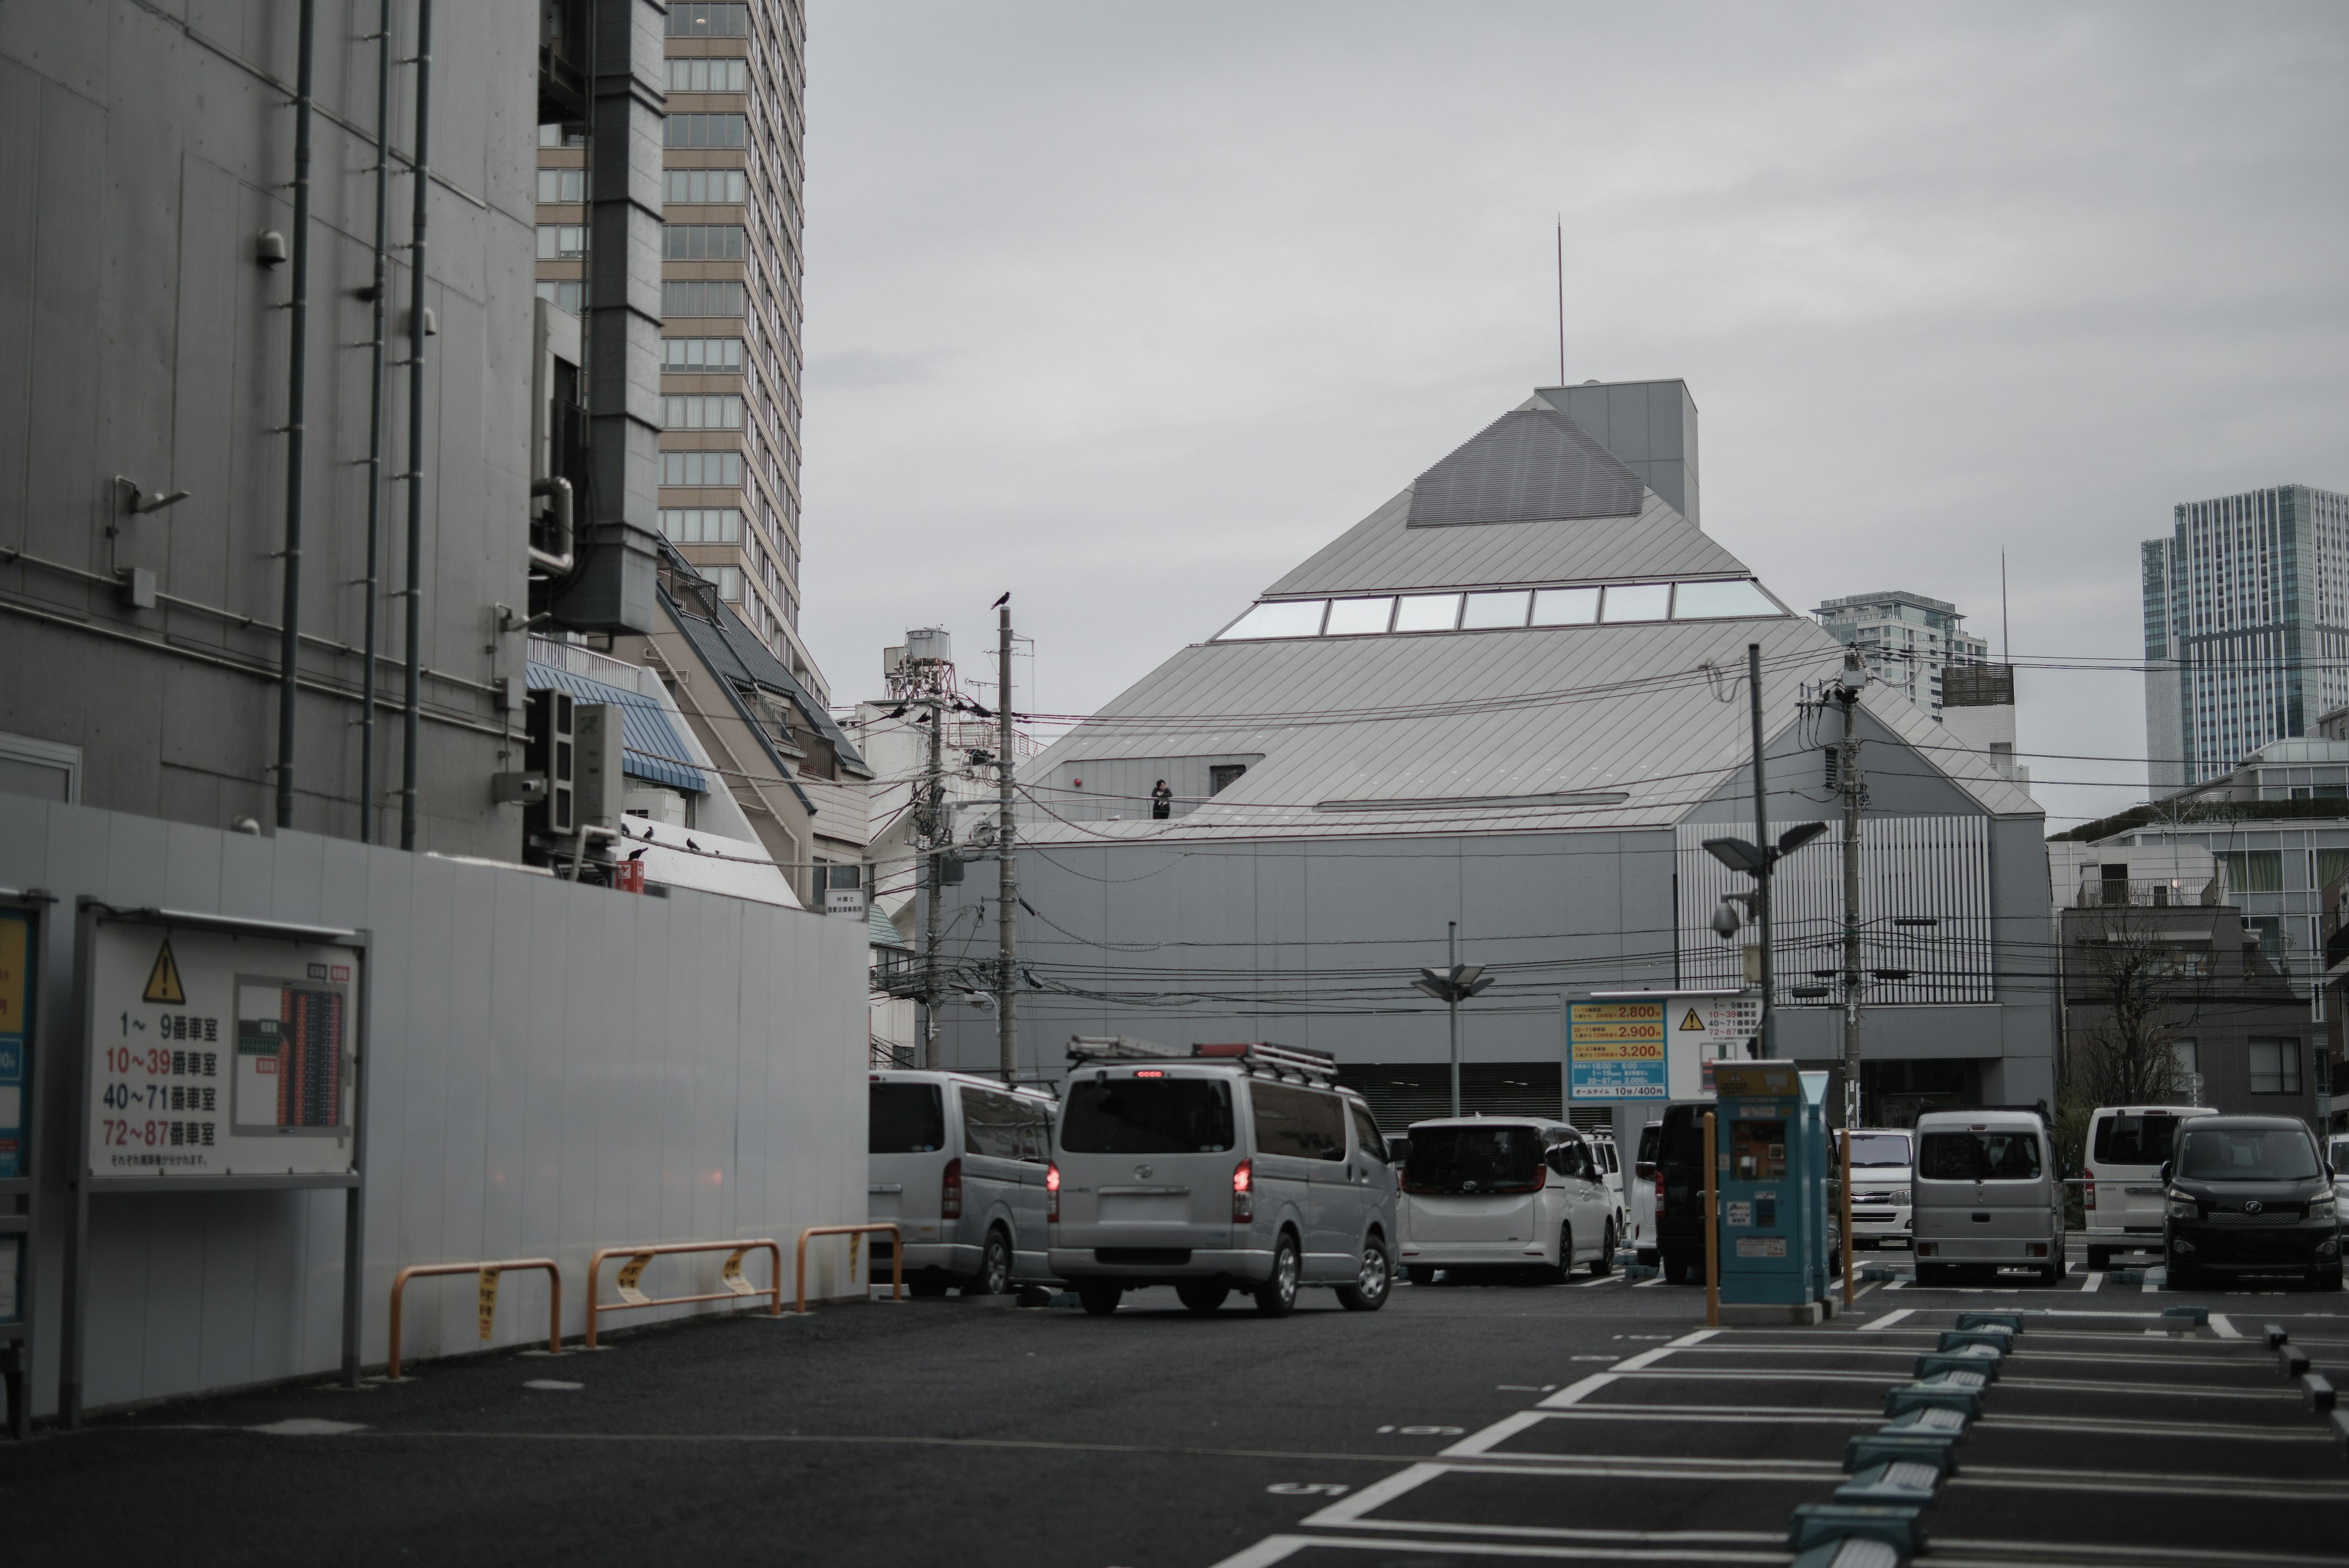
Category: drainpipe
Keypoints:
(297, 400)
(556, 563)
(375, 413)
(420, 172)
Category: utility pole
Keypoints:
(933, 822)
(1007, 909)
(1847, 690)
(1760, 900)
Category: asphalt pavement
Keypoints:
(1471, 1424)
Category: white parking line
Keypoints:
(1889, 1318)
(1575, 1393)
(1603, 1279)
(1277, 1549)
(2222, 1328)
(1645, 1358)
(2091, 1280)
(1649, 1284)
(1347, 1513)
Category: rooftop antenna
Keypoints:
(1561, 300)
(2005, 627)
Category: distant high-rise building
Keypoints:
(730, 306)
(2246, 628)
(1909, 640)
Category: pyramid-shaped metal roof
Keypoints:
(1607, 723)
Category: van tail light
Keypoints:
(2089, 1192)
(1660, 1192)
(950, 1192)
(1243, 1193)
(1051, 1194)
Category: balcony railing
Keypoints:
(2097, 893)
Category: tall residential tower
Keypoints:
(2246, 628)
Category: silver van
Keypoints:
(1232, 1167)
(959, 1162)
(2121, 1186)
(1988, 1195)
(1522, 1191)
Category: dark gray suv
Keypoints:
(2249, 1195)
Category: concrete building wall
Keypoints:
(148, 152)
(552, 1069)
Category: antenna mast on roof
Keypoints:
(2005, 626)
(1561, 300)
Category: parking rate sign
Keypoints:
(1615, 1051)
(220, 1054)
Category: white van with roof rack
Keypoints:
(1229, 1167)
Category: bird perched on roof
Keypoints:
(636, 854)
(1001, 602)
(689, 843)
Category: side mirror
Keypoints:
(1398, 1149)
(2166, 1166)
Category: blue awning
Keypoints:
(652, 747)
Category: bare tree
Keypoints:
(2135, 979)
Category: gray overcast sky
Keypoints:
(1129, 309)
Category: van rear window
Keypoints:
(906, 1118)
(2134, 1140)
(1147, 1116)
(1978, 1156)
(1473, 1159)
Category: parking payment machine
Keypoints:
(1771, 1162)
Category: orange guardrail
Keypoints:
(736, 1287)
(897, 1257)
(489, 1297)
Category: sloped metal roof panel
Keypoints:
(653, 750)
(1383, 551)
(1528, 466)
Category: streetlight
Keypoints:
(1451, 985)
(1757, 863)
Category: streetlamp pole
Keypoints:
(1761, 838)
(1452, 960)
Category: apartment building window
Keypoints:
(705, 187)
(702, 524)
(561, 242)
(2253, 870)
(697, 21)
(706, 468)
(691, 130)
(701, 242)
(2275, 1066)
(727, 580)
(555, 134)
(700, 296)
(564, 294)
(708, 74)
(563, 185)
(705, 411)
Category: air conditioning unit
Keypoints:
(596, 768)
(551, 718)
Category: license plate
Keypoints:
(1143, 1208)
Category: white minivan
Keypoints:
(2121, 1187)
(1503, 1191)
(959, 1163)
(1647, 1187)
(1233, 1167)
(1882, 1176)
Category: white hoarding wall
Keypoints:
(551, 1069)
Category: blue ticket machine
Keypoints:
(1770, 1155)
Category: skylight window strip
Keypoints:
(1370, 615)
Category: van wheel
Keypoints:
(1604, 1264)
(1680, 1271)
(994, 1276)
(1556, 1276)
(2099, 1258)
(1370, 1287)
(1098, 1297)
(1202, 1296)
(2328, 1279)
(1276, 1297)
(1420, 1274)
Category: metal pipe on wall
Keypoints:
(297, 401)
(375, 412)
(414, 585)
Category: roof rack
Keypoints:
(1274, 1059)
(1115, 1048)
